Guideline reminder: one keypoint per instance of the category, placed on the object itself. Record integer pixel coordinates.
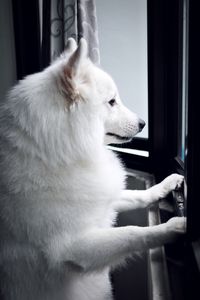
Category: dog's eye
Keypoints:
(112, 102)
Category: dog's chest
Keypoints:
(88, 195)
(78, 200)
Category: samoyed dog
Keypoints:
(61, 188)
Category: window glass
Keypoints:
(122, 27)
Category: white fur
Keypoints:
(61, 187)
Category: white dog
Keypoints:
(61, 188)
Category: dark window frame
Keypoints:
(164, 80)
(193, 156)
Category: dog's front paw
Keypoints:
(173, 182)
(176, 225)
(169, 184)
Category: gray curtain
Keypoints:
(73, 18)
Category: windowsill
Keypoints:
(130, 151)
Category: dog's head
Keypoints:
(69, 110)
(81, 81)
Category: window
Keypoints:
(173, 62)
(172, 138)
(173, 116)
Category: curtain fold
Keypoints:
(69, 18)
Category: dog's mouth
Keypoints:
(119, 137)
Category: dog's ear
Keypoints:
(68, 85)
(70, 46)
(75, 60)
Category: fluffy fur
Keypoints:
(61, 188)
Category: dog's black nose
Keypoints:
(141, 124)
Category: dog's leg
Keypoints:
(132, 199)
(100, 248)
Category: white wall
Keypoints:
(122, 27)
(7, 49)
